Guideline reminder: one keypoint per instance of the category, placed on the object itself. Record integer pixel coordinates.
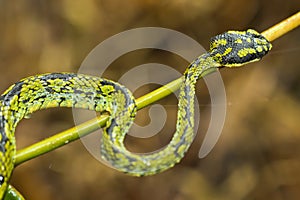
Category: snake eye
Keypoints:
(1, 180)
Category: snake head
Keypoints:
(235, 48)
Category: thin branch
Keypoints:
(282, 27)
(85, 128)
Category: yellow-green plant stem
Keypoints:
(282, 27)
(85, 128)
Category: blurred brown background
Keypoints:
(258, 154)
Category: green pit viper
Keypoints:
(230, 49)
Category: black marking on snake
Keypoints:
(16, 90)
(122, 89)
(181, 141)
(187, 90)
(113, 123)
(2, 178)
(4, 138)
(53, 76)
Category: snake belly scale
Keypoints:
(230, 49)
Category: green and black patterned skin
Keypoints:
(230, 49)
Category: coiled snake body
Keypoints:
(230, 49)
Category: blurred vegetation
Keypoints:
(258, 154)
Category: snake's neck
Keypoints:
(199, 66)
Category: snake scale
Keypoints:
(230, 49)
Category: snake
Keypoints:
(229, 49)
